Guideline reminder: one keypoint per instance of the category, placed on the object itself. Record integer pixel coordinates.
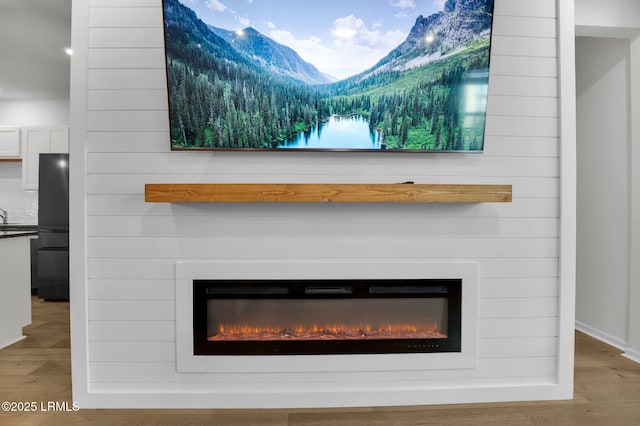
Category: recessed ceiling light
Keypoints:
(68, 51)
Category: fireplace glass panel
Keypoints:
(323, 319)
(245, 319)
(337, 316)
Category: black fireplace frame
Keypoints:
(205, 289)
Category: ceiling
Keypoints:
(33, 36)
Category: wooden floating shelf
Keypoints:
(324, 193)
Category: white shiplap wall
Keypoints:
(132, 247)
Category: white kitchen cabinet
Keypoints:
(38, 140)
(15, 288)
(9, 143)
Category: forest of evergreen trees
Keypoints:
(217, 103)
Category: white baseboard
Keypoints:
(601, 335)
(8, 341)
(632, 354)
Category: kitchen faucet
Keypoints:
(5, 216)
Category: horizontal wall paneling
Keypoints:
(358, 169)
(132, 247)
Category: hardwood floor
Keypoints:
(607, 392)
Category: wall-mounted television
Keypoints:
(330, 75)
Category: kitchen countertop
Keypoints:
(15, 288)
(17, 230)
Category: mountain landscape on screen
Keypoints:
(240, 89)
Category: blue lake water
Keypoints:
(337, 132)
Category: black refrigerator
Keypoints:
(50, 251)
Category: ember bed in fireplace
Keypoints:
(312, 317)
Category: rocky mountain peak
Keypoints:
(443, 32)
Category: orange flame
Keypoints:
(327, 331)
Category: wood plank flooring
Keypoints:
(607, 392)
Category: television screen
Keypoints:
(357, 75)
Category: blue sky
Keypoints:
(339, 37)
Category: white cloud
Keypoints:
(216, 5)
(306, 48)
(353, 49)
(439, 3)
(351, 33)
(311, 50)
(404, 4)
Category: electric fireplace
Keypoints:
(313, 317)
